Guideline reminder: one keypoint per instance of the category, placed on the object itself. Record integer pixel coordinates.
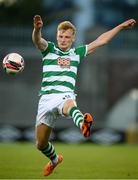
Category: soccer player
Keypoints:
(57, 98)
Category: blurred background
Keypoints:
(107, 84)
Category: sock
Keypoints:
(77, 116)
(49, 151)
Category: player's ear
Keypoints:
(73, 39)
(57, 35)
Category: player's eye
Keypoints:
(68, 37)
(61, 36)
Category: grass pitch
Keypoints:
(81, 161)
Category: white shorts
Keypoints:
(50, 107)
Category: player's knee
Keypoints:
(68, 104)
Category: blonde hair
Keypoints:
(65, 25)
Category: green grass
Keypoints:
(82, 161)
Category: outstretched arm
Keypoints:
(39, 42)
(107, 36)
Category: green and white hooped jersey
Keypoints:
(60, 69)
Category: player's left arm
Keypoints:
(107, 36)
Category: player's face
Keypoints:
(65, 38)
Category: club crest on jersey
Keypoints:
(64, 62)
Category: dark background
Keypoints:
(103, 78)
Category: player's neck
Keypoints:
(64, 50)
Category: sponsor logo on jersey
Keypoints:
(64, 62)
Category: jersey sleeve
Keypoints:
(81, 51)
(48, 49)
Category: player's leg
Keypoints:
(42, 142)
(70, 108)
(45, 121)
(84, 122)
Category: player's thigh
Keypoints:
(42, 133)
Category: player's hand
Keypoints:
(38, 23)
(128, 24)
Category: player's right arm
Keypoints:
(39, 42)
